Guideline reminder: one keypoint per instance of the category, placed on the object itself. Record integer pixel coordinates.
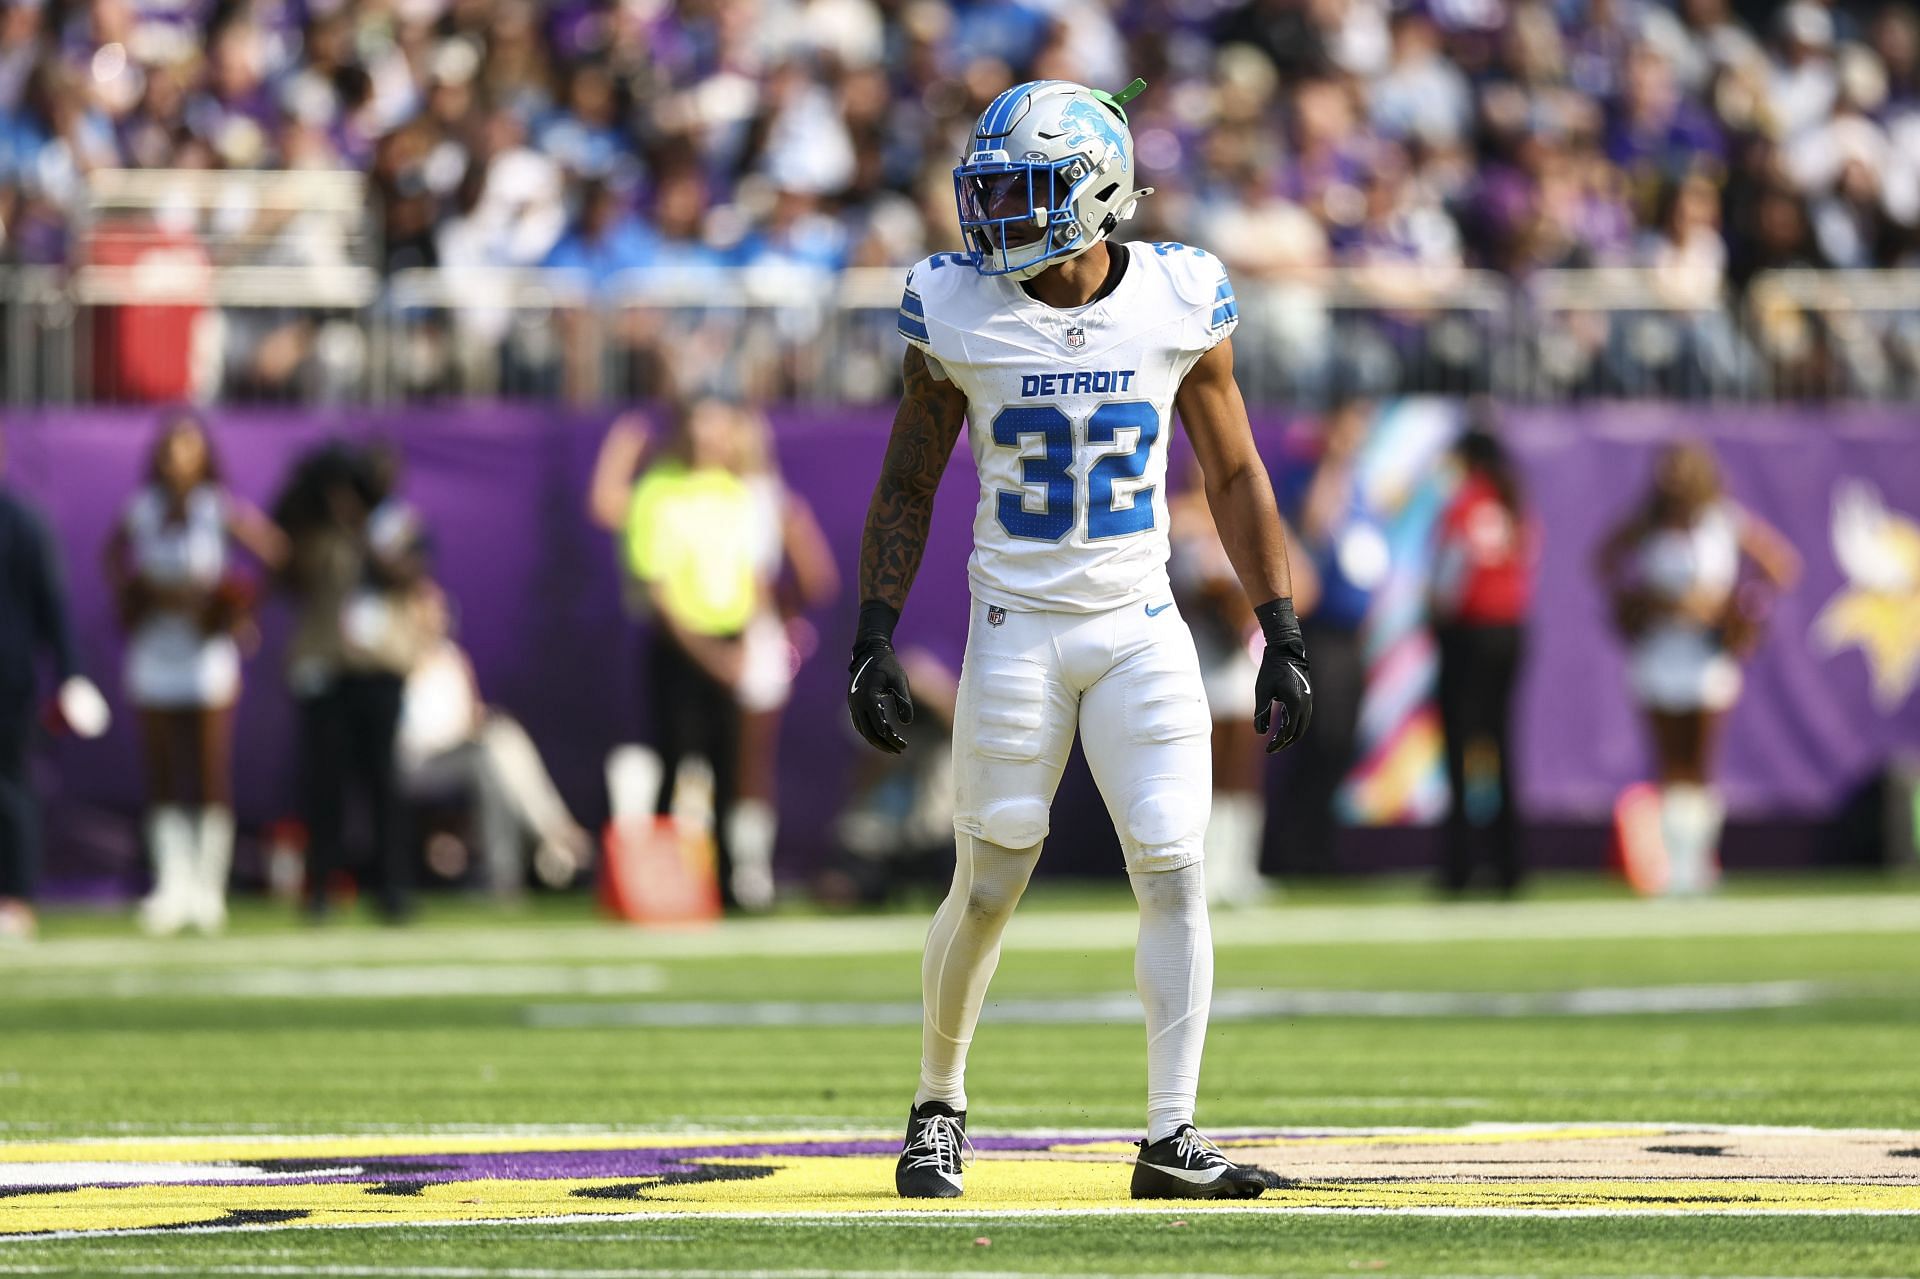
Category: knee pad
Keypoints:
(1165, 820)
(1014, 823)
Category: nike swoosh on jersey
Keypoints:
(1155, 612)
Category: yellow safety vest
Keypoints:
(689, 534)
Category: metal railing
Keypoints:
(201, 285)
(185, 327)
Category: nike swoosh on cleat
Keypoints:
(1155, 612)
(1193, 1175)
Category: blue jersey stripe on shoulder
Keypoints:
(913, 327)
(910, 303)
(1225, 290)
(1221, 314)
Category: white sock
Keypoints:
(1690, 820)
(170, 840)
(1232, 844)
(1250, 830)
(213, 862)
(1173, 968)
(634, 774)
(1712, 822)
(1218, 846)
(963, 948)
(751, 830)
(1674, 830)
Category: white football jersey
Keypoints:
(1069, 415)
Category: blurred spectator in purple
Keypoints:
(1655, 134)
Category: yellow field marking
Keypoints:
(1063, 1173)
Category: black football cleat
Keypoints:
(936, 1153)
(1188, 1166)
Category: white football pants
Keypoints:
(1129, 681)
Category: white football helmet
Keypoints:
(1048, 174)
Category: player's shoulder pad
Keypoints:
(1197, 277)
(931, 285)
(1199, 283)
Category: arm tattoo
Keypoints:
(924, 429)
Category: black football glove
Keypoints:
(878, 697)
(1283, 676)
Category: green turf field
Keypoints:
(513, 1069)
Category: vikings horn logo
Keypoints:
(1878, 610)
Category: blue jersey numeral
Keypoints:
(1011, 430)
(1016, 425)
(1103, 520)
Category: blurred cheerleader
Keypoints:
(797, 573)
(186, 611)
(1674, 569)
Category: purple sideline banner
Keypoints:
(1811, 727)
(502, 488)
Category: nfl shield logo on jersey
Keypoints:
(1076, 337)
(995, 615)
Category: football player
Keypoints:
(1065, 355)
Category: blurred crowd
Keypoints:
(1708, 137)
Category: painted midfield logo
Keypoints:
(85, 1187)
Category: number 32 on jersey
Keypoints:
(1051, 471)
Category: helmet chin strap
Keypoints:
(1124, 213)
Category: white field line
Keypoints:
(356, 982)
(988, 1214)
(1228, 1005)
(792, 1130)
(551, 1272)
(1036, 930)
